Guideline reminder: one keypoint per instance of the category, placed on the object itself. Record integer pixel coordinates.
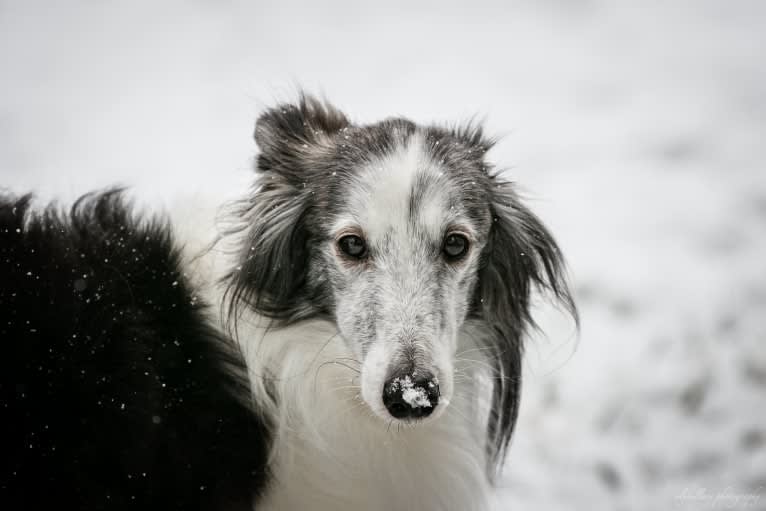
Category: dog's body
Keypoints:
(376, 282)
(116, 389)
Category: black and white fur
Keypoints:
(293, 412)
(116, 389)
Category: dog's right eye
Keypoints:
(353, 246)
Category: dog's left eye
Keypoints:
(455, 246)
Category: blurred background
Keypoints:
(637, 130)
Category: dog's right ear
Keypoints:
(291, 136)
(271, 272)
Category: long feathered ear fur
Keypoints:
(271, 276)
(521, 254)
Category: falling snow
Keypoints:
(635, 128)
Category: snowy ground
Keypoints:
(638, 129)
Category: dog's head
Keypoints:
(399, 234)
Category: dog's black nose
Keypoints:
(411, 396)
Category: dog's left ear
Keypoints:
(520, 255)
(271, 276)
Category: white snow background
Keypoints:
(637, 130)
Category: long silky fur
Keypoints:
(521, 254)
(270, 226)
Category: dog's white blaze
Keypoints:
(380, 201)
(385, 189)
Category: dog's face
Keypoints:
(399, 234)
(400, 252)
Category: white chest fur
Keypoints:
(331, 453)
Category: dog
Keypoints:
(350, 338)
